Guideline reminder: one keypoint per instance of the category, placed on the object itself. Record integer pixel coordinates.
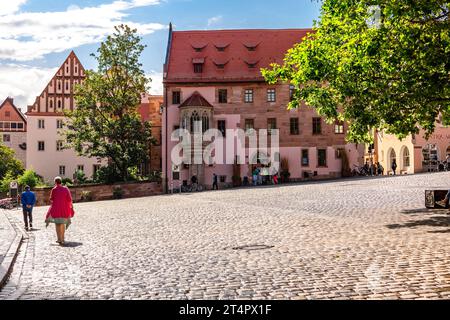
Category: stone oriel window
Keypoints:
(176, 97)
(322, 157)
(223, 96)
(294, 130)
(317, 125)
(271, 95)
(248, 96)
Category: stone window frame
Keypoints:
(6, 138)
(176, 97)
(324, 165)
(59, 145)
(222, 95)
(296, 127)
(224, 129)
(249, 95)
(316, 123)
(62, 170)
(305, 164)
(41, 146)
(339, 127)
(41, 123)
(271, 95)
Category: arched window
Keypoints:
(51, 103)
(205, 121)
(391, 157)
(59, 104)
(406, 158)
(195, 122)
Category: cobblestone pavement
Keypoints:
(346, 239)
(7, 235)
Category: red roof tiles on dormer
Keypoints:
(196, 100)
(228, 55)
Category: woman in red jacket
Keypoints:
(61, 209)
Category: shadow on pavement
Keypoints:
(436, 221)
(68, 244)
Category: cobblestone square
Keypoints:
(345, 239)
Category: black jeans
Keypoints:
(215, 186)
(28, 216)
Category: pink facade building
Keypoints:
(214, 77)
(13, 129)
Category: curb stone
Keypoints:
(7, 264)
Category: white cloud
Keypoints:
(23, 83)
(32, 35)
(10, 6)
(156, 86)
(214, 20)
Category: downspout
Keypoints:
(166, 110)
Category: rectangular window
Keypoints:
(13, 125)
(317, 125)
(96, 167)
(248, 96)
(291, 92)
(294, 126)
(249, 124)
(176, 97)
(305, 157)
(221, 126)
(41, 124)
(271, 95)
(271, 124)
(1, 125)
(321, 157)
(223, 96)
(62, 170)
(198, 67)
(6, 138)
(59, 124)
(20, 125)
(339, 127)
(80, 167)
(41, 146)
(7, 125)
(59, 145)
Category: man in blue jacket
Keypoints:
(28, 200)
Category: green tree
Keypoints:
(106, 123)
(8, 163)
(30, 178)
(377, 64)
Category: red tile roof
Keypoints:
(243, 52)
(196, 100)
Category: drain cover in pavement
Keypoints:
(253, 247)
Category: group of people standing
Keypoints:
(60, 212)
(261, 175)
(373, 169)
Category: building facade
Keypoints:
(214, 77)
(150, 110)
(414, 154)
(13, 129)
(45, 145)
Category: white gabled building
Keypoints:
(45, 118)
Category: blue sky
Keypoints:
(37, 35)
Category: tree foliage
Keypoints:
(381, 64)
(106, 123)
(8, 163)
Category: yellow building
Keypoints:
(413, 154)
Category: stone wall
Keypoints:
(104, 192)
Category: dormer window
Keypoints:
(221, 64)
(251, 46)
(221, 47)
(198, 65)
(251, 64)
(199, 47)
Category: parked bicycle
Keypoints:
(195, 187)
(7, 204)
(359, 171)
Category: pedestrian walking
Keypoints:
(394, 166)
(380, 169)
(255, 174)
(215, 184)
(61, 209)
(28, 200)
